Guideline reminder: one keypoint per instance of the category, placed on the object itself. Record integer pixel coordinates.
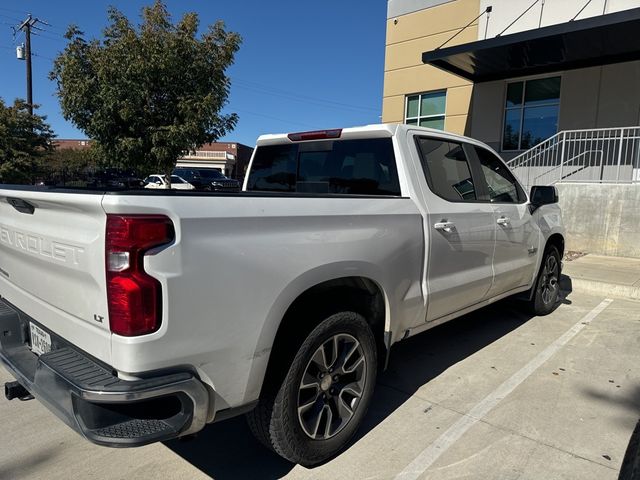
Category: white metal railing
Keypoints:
(602, 155)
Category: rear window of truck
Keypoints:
(347, 167)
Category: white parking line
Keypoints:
(429, 455)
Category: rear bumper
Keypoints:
(91, 399)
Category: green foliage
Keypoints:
(147, 93)
(23, 139)
(63, 166)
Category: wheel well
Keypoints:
(557, 241)
(357, 294)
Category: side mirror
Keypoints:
(543, 195)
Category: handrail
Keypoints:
(567, 162)
(617, 150)
(530, 151)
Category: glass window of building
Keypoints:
(531, 112)
(426, 109)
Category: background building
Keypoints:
(232, 159)
(552, 85)
(71, 144)
(520, 72)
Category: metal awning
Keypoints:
(600, 40)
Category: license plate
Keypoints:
(40, 340)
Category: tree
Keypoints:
(24, 138)
(146, 94)
(68, 166)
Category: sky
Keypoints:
(302, 65)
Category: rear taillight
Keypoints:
(134, 297)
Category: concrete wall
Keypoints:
(411, 34)
(601, 219)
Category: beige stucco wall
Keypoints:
(408, 36)
(597, 97)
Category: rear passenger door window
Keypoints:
(447, 169)
(500, 183)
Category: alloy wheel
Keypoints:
(549, 285)
(331, 387)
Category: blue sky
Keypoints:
(302, 65)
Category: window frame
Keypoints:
(475, 167)
(484, 186)
(420, 117)
(522, 107)
(482, 195)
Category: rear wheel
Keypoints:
(325, 394)
(547, 288)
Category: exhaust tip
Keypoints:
(16, 390)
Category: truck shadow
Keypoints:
(227, 450)
(418, 360)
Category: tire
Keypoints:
(320, 404)
(547, 287)
(631, 463)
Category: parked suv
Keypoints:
(208, 179)
(139, 316)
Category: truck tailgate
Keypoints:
(52, 263)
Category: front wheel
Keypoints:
(547, 288)
(325, 394)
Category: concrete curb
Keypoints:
(600, 288)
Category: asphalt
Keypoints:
(570, 415)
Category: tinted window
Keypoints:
(184, 173)
(348, 167)
(531, 112)
(447, 169)
(426, 109)
(501, 184)
(211, 173)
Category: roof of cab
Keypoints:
(367, 131)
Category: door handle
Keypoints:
(444, 226)
(503, 221)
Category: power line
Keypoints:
(48, 37)
(269, 117)
(279, 92)
(42, 56)
(306, 101)
(19, 12)
(14, 19)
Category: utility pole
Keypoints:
(26, 27)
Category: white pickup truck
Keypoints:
(139, 316)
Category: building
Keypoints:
(231, 159)
(515, 73)
(71, 144)
(552, 85)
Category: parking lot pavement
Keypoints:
(493, 395)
